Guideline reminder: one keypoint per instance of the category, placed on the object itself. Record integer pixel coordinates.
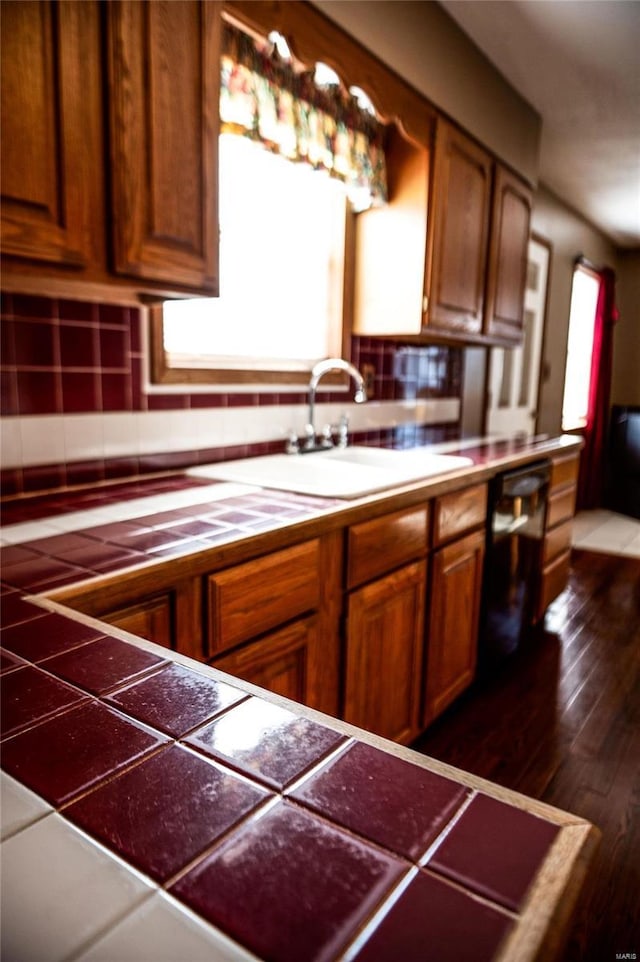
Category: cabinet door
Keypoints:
(170, 615)
(151, 619)
(508, 257)
(285, 662)
(385, 640)
(452, 642)
(164, 79)
(51, 132)
(461, 197)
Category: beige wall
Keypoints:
(625, 388)
(423, 44)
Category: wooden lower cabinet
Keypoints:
(452, 640)
(169, 616)
(384, 647)
(151, 619)
(286, 662)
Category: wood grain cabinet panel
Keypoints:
(251, 598)
(382, 544)
(384, 646)
(286, 662)
(461, 198)
(458, 512)
(169, 616)
(452, 640)
(564, 472)
(151, 619)
(51, 132)
(164, 71)
(561, 506)
(508, 255)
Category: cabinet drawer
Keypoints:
(557, 541)
(458, 512)
(564, 472)
(380, 545)
(561, 507)
(251, 598)
(553, 581)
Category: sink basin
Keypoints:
(337, 473)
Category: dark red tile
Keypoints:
(178, 548)
(38, 392)
(165, 519)
(114, 348)
(59, 545)
(29, 696)
(289, 886)
(97, 554)
(392, 802)
(85, 472)
(124, 560)
(114, 314)
(69, 753)
(78, 346)
(34, 344)
(135, 324)
(8, 400)
(434, 920)
(43, 478)
(8, 408)
(46, 636)
(79, 392)
(77, 311)
(176, 699)
(495, 849)
(199, 802)
(266, 741)
(116, 392)
(9, 662)
(167, 402)
(117, 532)
(101, 665)
(25, 574)
(146, 540)
(14, 609)
(7, 342)
(29, 305)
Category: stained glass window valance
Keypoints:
(264, 97)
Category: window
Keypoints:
(284, 214)
(282, 229)
(584, 302)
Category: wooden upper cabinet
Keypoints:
(460, 211)
(507, 272)
(164, 79)
(51, 133)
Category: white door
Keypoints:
(514, 373)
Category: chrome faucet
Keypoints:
(317, 372)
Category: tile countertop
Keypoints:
(155, 808)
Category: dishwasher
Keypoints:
(515, 533)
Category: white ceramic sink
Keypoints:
(337, 473)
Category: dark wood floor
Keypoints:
(561, 722)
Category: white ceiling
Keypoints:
(577, 62)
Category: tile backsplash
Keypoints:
(76, 407)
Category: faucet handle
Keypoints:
(343, 431)
(293, 445)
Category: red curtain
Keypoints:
(592, 467)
